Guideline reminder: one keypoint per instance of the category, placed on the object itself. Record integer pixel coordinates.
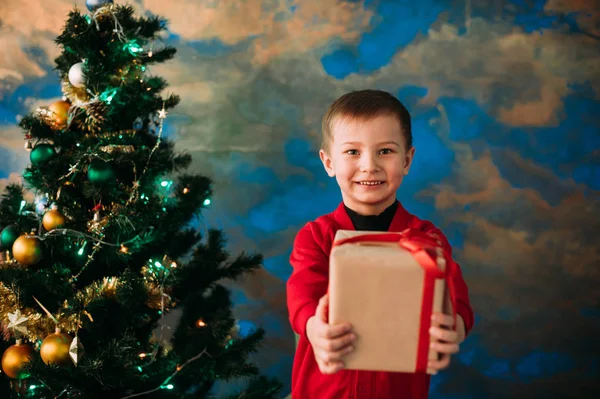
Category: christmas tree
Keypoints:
(98, 244)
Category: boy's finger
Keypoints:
(440, 364)
(336, 330)
(443, 334)
(443, 319)
(444, 348)
(341, 342)
(331, 367)
(332, 357)
(321, 312)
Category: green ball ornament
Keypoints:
(41, 154)
(9, 236)
(100, 172)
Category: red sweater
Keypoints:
(309, 282)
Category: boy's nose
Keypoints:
(369, 164)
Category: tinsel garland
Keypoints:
(40, 324)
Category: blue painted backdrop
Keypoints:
(504, 96)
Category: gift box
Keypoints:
(387, 285)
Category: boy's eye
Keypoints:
(352, 152)
(386, 151)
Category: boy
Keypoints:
(367, 147)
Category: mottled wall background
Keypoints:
(505, 99)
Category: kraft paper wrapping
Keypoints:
(378, 288)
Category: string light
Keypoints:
(162, 114)
(108, 95)
(87, 263)
(80, 252)
(166, 384)
(110, 10)
(206, 202)
(200, 323)
(133, 48)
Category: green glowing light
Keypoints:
(108, 95)
(133, 48)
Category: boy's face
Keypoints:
(369, 160)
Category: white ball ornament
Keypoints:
(76, 75)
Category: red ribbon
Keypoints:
(424, 247)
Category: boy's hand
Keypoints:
(448, 340)
(330, 343)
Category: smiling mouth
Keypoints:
(370, 183)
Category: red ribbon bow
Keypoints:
(426, 249)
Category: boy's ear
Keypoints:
(408, 160)
(327, 164)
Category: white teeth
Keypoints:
(370, 183)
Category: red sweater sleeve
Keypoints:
(309, 279)
(463, 304)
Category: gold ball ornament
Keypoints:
(27, 250)
(53, 219)
(55, 349)
(60, 110)
(15, 359)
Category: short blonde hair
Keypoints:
(365, 105)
